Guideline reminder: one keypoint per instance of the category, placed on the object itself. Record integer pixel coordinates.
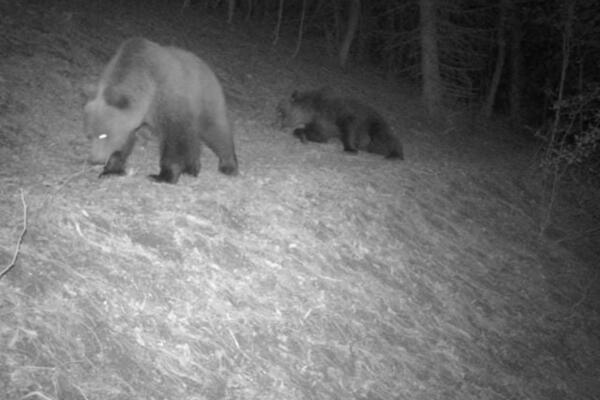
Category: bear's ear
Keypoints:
(122, 102)
(115, 99)
(295, 95)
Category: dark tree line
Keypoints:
(533, 60)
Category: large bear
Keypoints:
(317, 116)
(168, 90)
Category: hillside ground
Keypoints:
(314, 274)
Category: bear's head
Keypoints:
(109, 120)
(300, 108)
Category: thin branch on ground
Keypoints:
(578, 236)
(38, 394)
(61, 183)
(586, 291)
(18, 246)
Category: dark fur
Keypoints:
(317, 116)
(168, 90)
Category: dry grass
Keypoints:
(313, 275)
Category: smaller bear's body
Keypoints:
(317, 116)
(170, 91)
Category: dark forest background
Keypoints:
(515, 57)
(533, 63)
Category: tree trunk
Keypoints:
(430, 64)
(353, 17)
(488, 108)
(250, 9)
(184, 5)
(279, 18)
(566, 55)
(362, 31)
(390, 26)
(300, 29)
(516, 67)
(230, 10)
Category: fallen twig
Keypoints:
(18, 246)
(38, 394)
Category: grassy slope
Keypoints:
(313, 275)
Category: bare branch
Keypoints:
(18, 246)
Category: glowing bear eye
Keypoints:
(103, 136)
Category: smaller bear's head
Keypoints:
(300, 108)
